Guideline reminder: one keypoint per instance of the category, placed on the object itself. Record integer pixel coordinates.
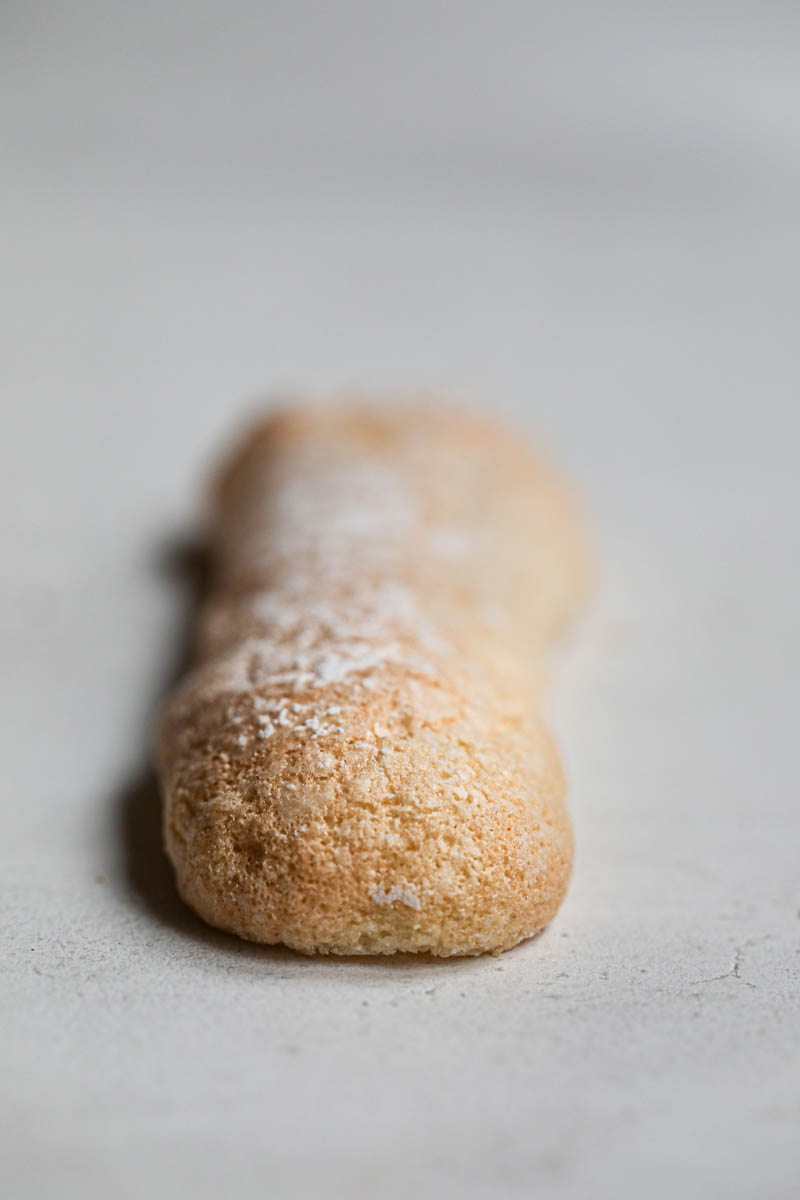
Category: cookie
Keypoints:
(357, 763)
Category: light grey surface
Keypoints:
(585, 220)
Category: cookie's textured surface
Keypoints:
(357, 765)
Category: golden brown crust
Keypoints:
(356, 765)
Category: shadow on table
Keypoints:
(147, 870)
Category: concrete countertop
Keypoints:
(615, 270)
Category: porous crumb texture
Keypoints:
(357, 764)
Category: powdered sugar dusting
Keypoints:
(405, 894)
(315, 554)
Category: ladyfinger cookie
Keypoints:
(357, 764)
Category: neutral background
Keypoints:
(585, 217)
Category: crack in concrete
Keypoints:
(735, 970)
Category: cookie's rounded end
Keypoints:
(390, 831)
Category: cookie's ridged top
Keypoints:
(356, 765)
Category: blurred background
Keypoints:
(584, 217)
